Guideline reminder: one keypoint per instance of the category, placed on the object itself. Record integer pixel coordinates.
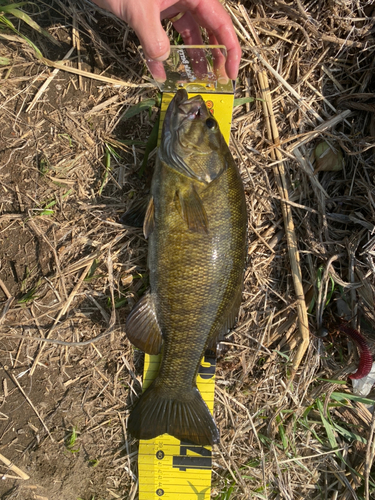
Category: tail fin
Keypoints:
(187, 418)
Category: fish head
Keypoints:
(191, 140)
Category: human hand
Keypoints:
(145, 16)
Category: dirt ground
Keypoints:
(50, 393)
(69, 167)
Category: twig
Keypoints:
(53, 249)
(6, 308)
(302, 103)
(370, 451)
(14, 468)
(63, 311)
(305, 165)
(75, 71)
(77, 44)
(62, 342)
(9, 476)
(279, 173)
(94, 76)
(322, 295)
(321, 128)
(5, 289)
(32, 406)
(43, 88)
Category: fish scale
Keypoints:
(205, 285)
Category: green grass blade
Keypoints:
(138, 108)
(8, 24)
(131, 142)
(282, 354)
(8, 8)
(282, 433)
(349, 435)
(107, 165)
(150, 146)
(327, 426)
(333, 381)
(33, 46)
(30, 295)
(242, 100)
(342, 396)
(20, 14)
(319, 275)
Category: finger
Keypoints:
(211, 15)
(145, 20)
(189, 29)
(219, 61)
(157, 70)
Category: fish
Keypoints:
(196, 224)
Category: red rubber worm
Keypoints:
(365, 360)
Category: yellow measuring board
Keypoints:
(169, 468)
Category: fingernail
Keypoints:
(163, 57)
(159, 79)
(223, 80)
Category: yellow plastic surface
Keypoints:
(168, 468)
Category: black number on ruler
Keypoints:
(183, 461)
(207, 372)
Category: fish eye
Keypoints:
(211, 123)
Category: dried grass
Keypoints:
(284, 432)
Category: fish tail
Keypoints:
(185, 418)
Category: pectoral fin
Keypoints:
(135, 216)
(191, 208)
(142, 326)
(141, 214)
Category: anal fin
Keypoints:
(142, 328)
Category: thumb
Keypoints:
(146, 23)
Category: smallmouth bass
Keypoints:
(196, 222)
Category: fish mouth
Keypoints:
(185, 109)
(190, 109)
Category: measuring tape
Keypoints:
(168, 468)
